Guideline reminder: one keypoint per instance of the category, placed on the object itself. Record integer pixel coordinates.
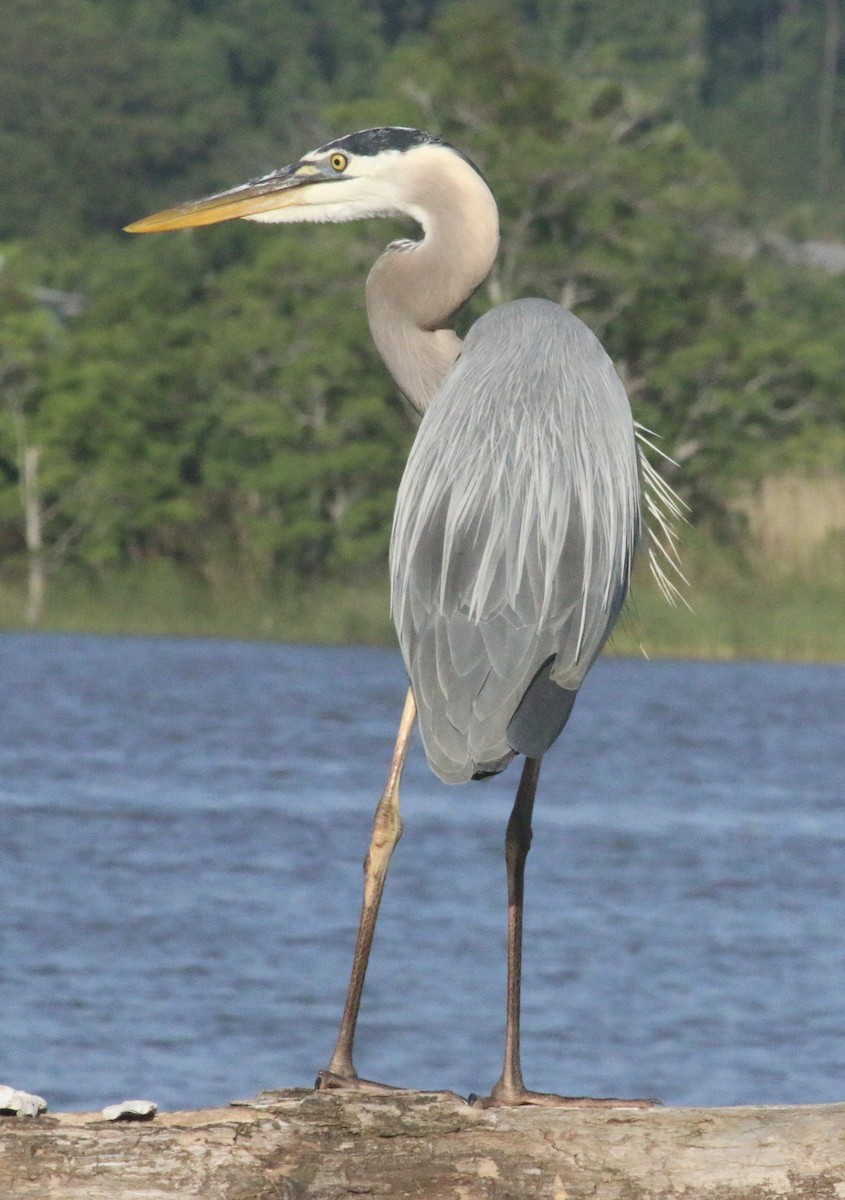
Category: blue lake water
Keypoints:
(183, 825)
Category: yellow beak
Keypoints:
(278, 190)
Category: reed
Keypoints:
(793, 519)
(745, 605)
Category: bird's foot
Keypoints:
(505, 1097)
(334, 1081)
(327, 1081)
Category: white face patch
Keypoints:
(368, 186)
(358, 166)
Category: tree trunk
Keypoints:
(36, 581)
(298, 1145)
(827, 94)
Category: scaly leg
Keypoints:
(387, 830)
(510, 1089)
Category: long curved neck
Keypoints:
(415, 288)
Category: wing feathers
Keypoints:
(516, 523)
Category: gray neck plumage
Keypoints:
(415, 289)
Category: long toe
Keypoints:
(506, 1098)
(331, 1081)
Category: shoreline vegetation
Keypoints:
(738, 608)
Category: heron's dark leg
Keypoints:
(510, 1089)
(387, 829)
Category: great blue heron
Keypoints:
(518, 513)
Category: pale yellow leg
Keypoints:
(387, 830)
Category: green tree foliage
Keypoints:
(657, 44)
(773, 96)
(93, 118)
(233, 407)
(217, 399)
(110, 108)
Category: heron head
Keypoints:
(371, 173)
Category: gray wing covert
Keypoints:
(515, 527)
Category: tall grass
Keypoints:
(742, 606)
(739, 608)
(159, 599)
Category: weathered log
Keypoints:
(297, 1145)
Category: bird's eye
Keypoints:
(339, 162)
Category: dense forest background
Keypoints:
(202, 420)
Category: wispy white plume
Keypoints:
(664, 511)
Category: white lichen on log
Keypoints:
(130, 1110)
(20, 1104)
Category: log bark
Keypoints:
(297, 1145)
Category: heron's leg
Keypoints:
(517, 844)
(387, 829)
(510, 1088)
